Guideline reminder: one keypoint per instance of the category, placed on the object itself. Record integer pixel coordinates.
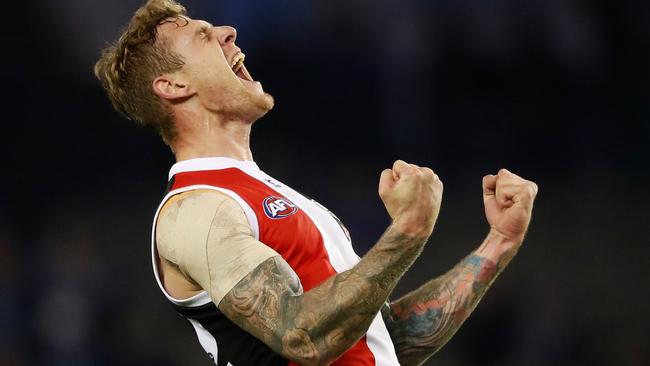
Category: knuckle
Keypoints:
(502, 172)
(529, 190)
(439, 186)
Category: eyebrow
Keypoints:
(175, 20)
(204, 28)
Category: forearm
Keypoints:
(422, 322)
(318, 326)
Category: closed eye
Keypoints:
(203, 33)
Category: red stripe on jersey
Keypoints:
(296, 238)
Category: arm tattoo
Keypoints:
(318, 326)
(423, 321)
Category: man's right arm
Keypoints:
(260, 292)
(317, 327)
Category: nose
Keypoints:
(226, 34)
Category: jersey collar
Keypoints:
(215, 163)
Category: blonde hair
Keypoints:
(128, 67)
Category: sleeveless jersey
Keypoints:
(308, 237)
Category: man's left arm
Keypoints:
(423, 321)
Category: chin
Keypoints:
(267, 102)
(262, 104)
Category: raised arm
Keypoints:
(421, 322)
(318, 326)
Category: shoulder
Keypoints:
(186, 219)
(201, 204)
(194, 199)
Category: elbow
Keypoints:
(300, 347)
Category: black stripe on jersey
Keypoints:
(170, 184)
(234, 344)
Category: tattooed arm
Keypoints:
(421, 322)
(318, 326)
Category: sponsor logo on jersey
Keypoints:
(278, 207)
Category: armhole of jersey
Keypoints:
(203, 297)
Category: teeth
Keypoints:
(238, 62)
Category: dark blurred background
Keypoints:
(556, 91)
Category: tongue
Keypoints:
(248, 81)
(246, 75)
(241, 74)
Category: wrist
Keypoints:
(410, 229)
(498, 248)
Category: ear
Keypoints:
(172, 88)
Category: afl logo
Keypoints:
(278, 207)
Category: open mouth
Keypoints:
(238, 68)
(237, 65)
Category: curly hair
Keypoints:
(128, 67)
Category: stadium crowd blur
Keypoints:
(557, 91)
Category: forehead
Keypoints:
(181, 29)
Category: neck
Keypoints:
(214, 138)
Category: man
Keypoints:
(265, 275)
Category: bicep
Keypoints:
(207, 235)
(261, 301)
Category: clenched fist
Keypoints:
(508, 201)
(412, 196)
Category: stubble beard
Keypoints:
(249, 107)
